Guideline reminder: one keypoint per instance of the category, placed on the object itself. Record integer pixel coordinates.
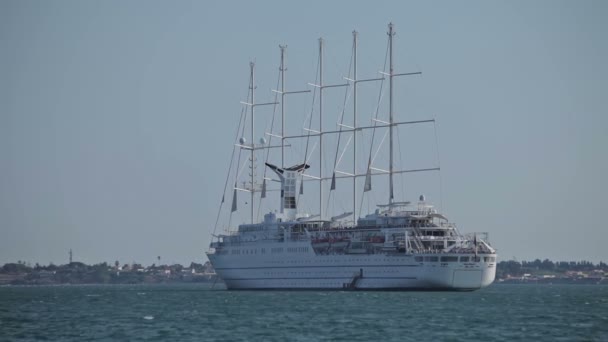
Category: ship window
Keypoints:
(431, 259)
(449, 259)
(418, 258)
(290, 202)
(489, 259)
(476, 259)
(464, 259)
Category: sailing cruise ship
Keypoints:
(400, 245)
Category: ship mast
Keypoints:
(282, 91)
(321, 128)
(392, 123)
(355, 35)
(391, 33)
(252, 88)
(383, 124)
(282, 70)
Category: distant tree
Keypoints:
(100, 273)
(510, 268)
(513, 268)
(208, 268)
(196, 267)
(547, 265)
(15, 268)
(562, 266)
(77, 264)
(586, 265)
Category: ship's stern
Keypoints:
(468, 277)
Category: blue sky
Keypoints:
(117, 118)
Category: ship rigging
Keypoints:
(400, 245)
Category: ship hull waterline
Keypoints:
(349, 272)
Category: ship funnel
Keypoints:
(289, 179)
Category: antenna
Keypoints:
(70, 255)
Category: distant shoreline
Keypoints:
(593, 281)
(77, 273)
(219, 285)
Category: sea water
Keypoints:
(201, 313)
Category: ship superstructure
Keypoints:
(399, 246)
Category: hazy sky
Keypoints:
(117, 118)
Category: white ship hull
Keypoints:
(251, 270)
